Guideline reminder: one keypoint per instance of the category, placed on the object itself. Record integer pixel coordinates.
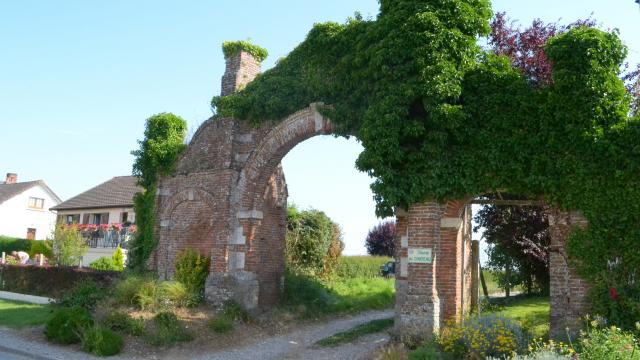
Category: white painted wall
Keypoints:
(114, 214)
(16, 216)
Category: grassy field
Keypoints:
(531, 312)
(18, 314)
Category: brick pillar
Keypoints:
(568, 291)
(241, 69)
(430, 292)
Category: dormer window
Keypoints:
(36, 203)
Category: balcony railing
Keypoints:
(103, 237)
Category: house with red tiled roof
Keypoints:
(26, 208)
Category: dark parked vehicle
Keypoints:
(388, 270)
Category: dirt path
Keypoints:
(298, 344)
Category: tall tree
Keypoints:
(381, 239)
(518, 239)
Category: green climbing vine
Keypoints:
(441, 118)
(230, 48)
(163, 141)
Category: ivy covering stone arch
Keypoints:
(440, 118)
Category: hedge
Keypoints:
(360, 266)
(9, 244)
(49, 281)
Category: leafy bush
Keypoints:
(9, 244)
(67, 245)
(66, 324)
(104, 264)
(308, 239)
(86, 294)
(305, 293)
(192, 270)
(360, 266)
(609, 343)
(221, 324)
(118, 258)
(380, 240)
(123, 323)
(335, 251)
(167, 330)
(44, 247)
(481, 336)
(126, 290)
(101, 341)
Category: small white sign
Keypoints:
(420, 255)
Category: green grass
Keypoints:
(371, 327)
(311, 297)
(19, 314)
(531, 312)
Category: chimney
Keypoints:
(241, 69)
(12, 178)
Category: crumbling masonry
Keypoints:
(227, 198)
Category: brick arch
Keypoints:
(178, 232)
(265, 160)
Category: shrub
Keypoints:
(380, 240)
(481, 336)
(85, 294)
(167, 330)
(44, 247)
(335, 250)
(9, 244)
(308, 238)
(360, 266)
(221, 324)
(67, 245)
(66, 324)
(608, 343)
(101, 341)
(123, 323)
(118, 259)
(126, 290)
(192, 270)
(104, 264)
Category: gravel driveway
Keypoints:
(294, 345)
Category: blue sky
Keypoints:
(78, 79)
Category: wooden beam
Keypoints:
(508, 202)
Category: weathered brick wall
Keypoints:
(228, 197)
(568, 291)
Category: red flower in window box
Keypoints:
(613, 293)
(104, 227)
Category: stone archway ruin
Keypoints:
(227, 197)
